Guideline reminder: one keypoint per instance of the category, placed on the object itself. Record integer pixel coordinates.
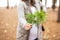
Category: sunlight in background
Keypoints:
(13, 2)
(3, 3)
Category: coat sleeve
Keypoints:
(21, 16)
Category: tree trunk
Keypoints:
(7, 4)
(59, 12)
(54, 2)
(45, 2)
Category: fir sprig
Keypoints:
(37, 17)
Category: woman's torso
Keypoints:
(33, 31)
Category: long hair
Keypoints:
(32, 2)
(24, 0)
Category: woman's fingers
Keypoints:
(28, 26)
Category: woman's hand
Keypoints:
(28, 26)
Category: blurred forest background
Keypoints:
(9, 19)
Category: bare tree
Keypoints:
(45, 2)
(54, 2)
(59, 12)
(7, 4)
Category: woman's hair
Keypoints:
(24, 0)
(32, 2)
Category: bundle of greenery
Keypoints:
(37, 17)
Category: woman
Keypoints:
(24, 29)
(33, 31)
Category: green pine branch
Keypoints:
(37, 17)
